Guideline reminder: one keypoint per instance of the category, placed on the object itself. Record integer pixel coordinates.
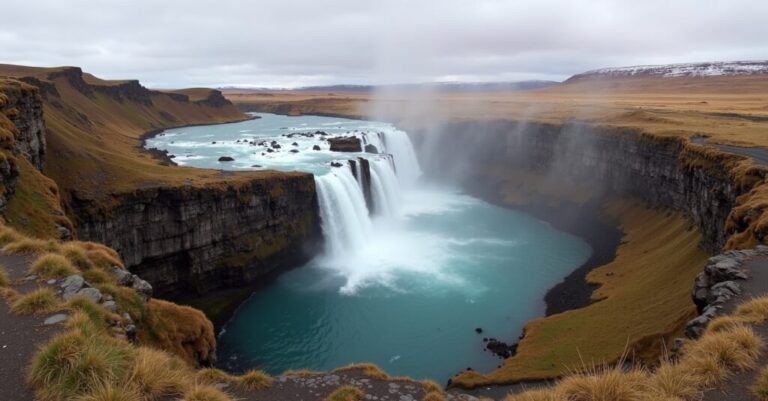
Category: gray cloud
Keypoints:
(175, 43)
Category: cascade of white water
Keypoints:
(398, 144)
(387, 192)
(343, 212)
(345, 216)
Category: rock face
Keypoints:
(361, 169)
(718, 283)
(186, 240)
(664, 172)
(346, 144)
(22, 133)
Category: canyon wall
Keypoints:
(22, 133)
(189, 239)
(662, 171)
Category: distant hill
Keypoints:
(439, 86)
(709, 69)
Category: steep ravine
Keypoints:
(544, 162)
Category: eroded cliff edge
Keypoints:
(191, 239)
(186, 231)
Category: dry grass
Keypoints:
(42, 300)
(4, 280)
(754, 310)
(76, 255)
(302, 373)
(367, 369)
(346, 393)
(214, 376)
(75, 363)
(434, 397)
(8, 235)
(659, 255)
(760, 388)
(157, 374)
(205, 393)
(182, 330)
(704, 364)
(53, 265)
(109, 391)
(31, 245)
(254, 380)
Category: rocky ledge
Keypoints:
(346, 144)
(720, 282)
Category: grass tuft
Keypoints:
(159, 375)
(368, 369)
(8, 235)
(753, 311)
(607, 383)
(31, 245)
(109, 391)
(77, 255)
(38, 301)
(674, 381)
(301, 373)
(434, 397)
(544, 394)
(346, 393)
(74, 362)
(4, 280)
(214, 376)
(205, 393)
(52, 265)
(254, 380)
(760, 388)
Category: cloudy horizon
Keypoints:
(295, 43)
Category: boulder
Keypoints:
(316, 147)
(90, 293)
(142, 287)
(226, 159)
(72, 285)
(371, 149)
(346, 144)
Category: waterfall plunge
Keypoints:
(360, 246)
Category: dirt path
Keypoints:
(759, 156)
(20, 336)
(737, 388)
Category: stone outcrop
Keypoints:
(193, 240)
(361, 170)
(663, 172)
(22, 133)
(720, 282)
(346, 144)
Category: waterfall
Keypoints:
(345, 220)
(344, 215)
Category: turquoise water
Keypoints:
(409, 294)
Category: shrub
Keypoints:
(346, 393)
(254, 380)
(38, 301)
(205, 393)
(158, 375)
(52, 265)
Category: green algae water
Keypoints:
(404, 285)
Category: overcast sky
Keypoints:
(287, 43)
